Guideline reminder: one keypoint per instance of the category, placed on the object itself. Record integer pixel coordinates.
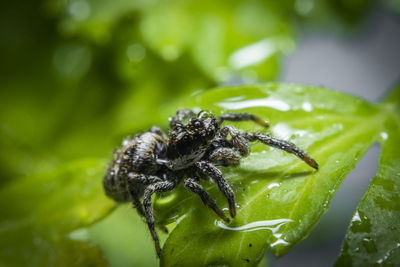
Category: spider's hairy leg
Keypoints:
(193, 186)
(284, 145)
(224, 156)
(238, 141)
(181, 115)
(242, 117)
(150, 190)
(135, 197)
(134, 178)
(214, 173)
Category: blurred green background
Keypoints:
(77, 76)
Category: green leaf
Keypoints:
(39, 211)
(224, 37)
(124, 238)
(279, 197)
(95, 19)
(373, 237)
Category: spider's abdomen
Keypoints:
(136, 155)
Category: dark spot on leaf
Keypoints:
(247, 260)
(250, 245)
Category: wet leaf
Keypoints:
(279, 197)
(38, 212)
(373, 237)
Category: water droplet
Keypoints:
(360, 223)
(261, 102)
(384, 135)
(273, 185)
(369, 245)
(388, 254)
(279, 242)
(307, 106)
(272, 225)
(178, 220)
(356, 217)
(282, 131)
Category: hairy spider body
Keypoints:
(152, 162)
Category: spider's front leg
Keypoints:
(281, 144)
(214, 173)
(133, 180)
(162, 186)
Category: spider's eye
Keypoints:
(197, 124)
(205, 114)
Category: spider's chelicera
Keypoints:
(154, 162)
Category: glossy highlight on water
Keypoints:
(272, 225)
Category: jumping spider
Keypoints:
(153, 162)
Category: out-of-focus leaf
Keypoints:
(224, 37)
(95, 19)
(228, 38)
(351, 10)
(39, 211)
(124, 238)
(393, 5)
(152, 82)
(279, 197)
(373, 237)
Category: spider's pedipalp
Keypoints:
(215, 174)
(193, 186)
(238, 141)
(281, 144)
(224, 156)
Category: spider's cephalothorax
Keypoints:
(152, 162)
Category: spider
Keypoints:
(153, 162)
